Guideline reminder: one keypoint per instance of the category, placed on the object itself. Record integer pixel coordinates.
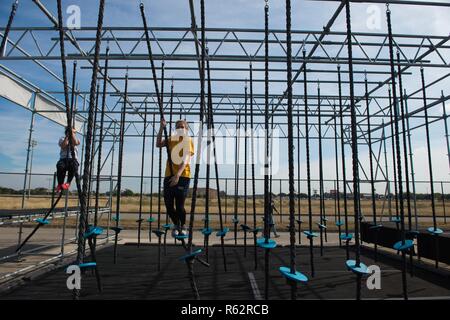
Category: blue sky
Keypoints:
(307, 15)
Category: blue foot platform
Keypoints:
(167, 226)
(222, 233)
(158, 233)
(93, 231)
(269, 244)
(297, 276)
(435, 231)
(310, 234)
(346, 237)
(404, 246)
(207, 231)
(339, 223)
(361, 269)
(88, 265)
(191, 255)
(42, 221)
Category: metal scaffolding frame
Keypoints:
(231, 50)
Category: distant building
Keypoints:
(201, 193)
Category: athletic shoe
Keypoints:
(174, 232)
(59, 188)
(182, 232)
(66, 186)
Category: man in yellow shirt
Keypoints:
(177, 176)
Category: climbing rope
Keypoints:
(119, 167)
(397, 150)
(8, 27)
(309, 233)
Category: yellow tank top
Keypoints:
(178, 146)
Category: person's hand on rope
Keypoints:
(174, 180)
(160, 142)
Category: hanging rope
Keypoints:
(255, 230)
(344, 170)
(150, 220)
(405, 158)
(36, 228)
(72, 101)
(308, 164)
(208, 170)
(236, 177)
(299, 221)
(372, 176)
(397, 150)
(245, 166)
(435, 229)
(405, 148)
(94, 134)
(394, 160)
(159, 206)
(200, 134)
(267, 204)
(102, 136)
(188, 248)
(166, 138)
(54, 203)
(354, 137)
(413, 182)
(155, 82)
(144, 136)
(8, 28)
(292, 252)
(119, 166)
(171, 109)
(211, 132)
(83, 193)
(322, 223)
(338, 193)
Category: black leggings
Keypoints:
(66, 165)
(176, 196)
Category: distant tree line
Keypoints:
(213, 194)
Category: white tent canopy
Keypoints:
(25, 96)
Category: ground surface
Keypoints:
(136, 276)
